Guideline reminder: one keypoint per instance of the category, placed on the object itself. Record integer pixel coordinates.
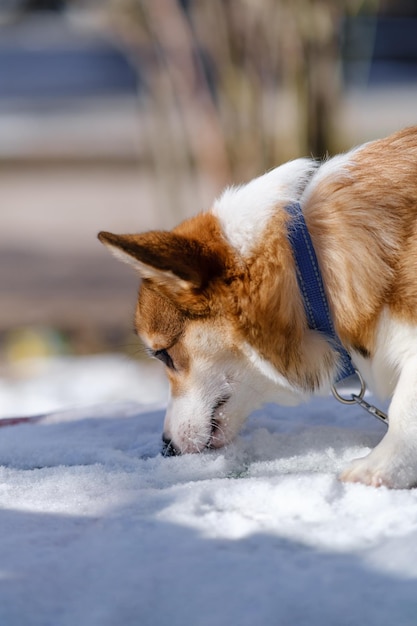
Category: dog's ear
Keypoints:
(174, 262)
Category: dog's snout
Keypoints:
(168, 448)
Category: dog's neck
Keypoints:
(271, 313)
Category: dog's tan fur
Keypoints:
(200, 292)
(364, 227)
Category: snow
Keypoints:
(98, 529)
(38, 385)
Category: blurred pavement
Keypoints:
(53, 270)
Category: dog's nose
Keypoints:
(168, 448)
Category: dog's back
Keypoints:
(361, 210)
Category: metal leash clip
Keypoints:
(359, 399)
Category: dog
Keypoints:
(220, 305)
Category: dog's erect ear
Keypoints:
(170, 260)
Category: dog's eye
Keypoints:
(163, 356)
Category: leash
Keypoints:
(14, 421)
(317, 308)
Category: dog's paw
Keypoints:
(363, 471)
(388, 465)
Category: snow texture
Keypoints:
(99, 529)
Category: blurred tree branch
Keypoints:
(237, 86)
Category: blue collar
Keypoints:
(311, 286)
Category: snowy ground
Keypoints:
(98, 529)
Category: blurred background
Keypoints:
(129, 115)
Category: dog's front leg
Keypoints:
(393, 463)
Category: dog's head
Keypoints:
(186, 317)
(225, 318)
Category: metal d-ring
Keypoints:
(358, 399)
(354, 397)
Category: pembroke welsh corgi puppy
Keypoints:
(219, 302)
